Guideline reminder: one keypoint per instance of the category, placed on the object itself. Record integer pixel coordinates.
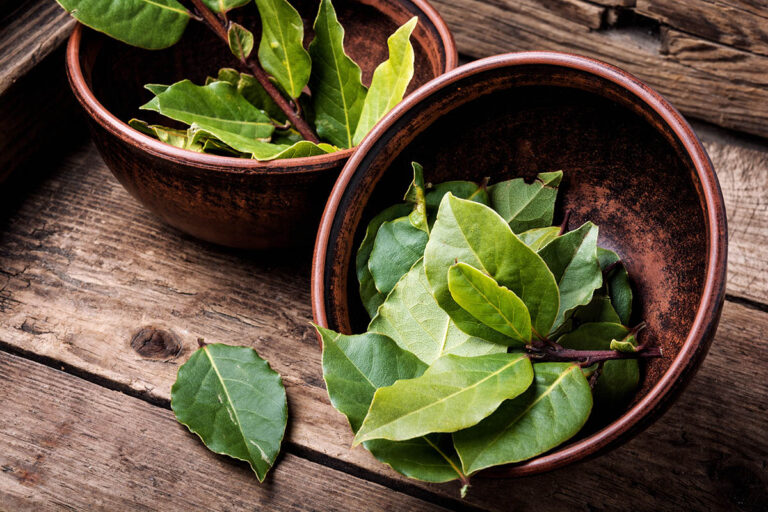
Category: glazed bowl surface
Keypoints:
(231, 201)
(632, 165)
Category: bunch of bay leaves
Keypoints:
(492, 331)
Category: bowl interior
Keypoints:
(623, 170)
(117, 72)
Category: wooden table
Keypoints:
(85, 422)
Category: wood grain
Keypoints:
(716, 92)
(83, 268)
(28, 35)
(722, 21)
(72, 445)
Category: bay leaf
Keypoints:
(494, 305)
(537, 238)
(617, 284)
(224, 5)
(526, 206)
(549, 413)
(150, 24)
(461, 189)
(599, 309)
(218, 109)
(353, 368)
(417, 196)
(172, 136)
(472, 233)
(372, 298)
(413, 319)
(398, 245)
(281, 50)
(338, 92)
(619, 379)
(454, 393)
(572, 258)
(390, 80)
(235, 403)
(240, 41)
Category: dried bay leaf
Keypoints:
(454, 393)
(550, 412)
(234, 402)
(413, 319)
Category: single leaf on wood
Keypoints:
(240, 41)
(617, 284)
(398, 245)
(473, 233)
(550, 412)
(494, 305)
(454, 393)
(390, 80)
(526, 206)
(372, 298)
(150, 24)
(338, 92)
(353, 368)
(619, 379)
(224, 5)
(235, 402)
(413, 319)
(281, 50)
(218, 109)
(417, 196)
(537, 238)
(572, 258)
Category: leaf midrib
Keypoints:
(462, 390)
(493, 305)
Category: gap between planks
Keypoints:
(82, 267)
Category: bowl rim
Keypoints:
(143, 142)
(695, 345)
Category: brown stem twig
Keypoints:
(590, 357)
(216, 25)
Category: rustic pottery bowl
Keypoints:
(632, 165)
(231, 201)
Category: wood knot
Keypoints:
(153, 343)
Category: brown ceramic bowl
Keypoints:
(231, 201)
(632, 165)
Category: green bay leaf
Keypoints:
(390, 80)
(353, 368)
(472, 233)
(494, 305)
(240, 41)
(234, 402)
(550, 412)
(218, 109)
(224, 5)
(572, 258)
(619, 379)
(398, 245)
(416, 196)
(413, 319)
(526, 206)
(454, 393)
(281, 50)
(372, 298)
(150, 24)
(338, 92)
(617, 283)
(537, 238)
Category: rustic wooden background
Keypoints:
(84, 416)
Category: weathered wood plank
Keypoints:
(72, 445)
(83, 268)
(28, 35)
(723, 21)
(486, 28)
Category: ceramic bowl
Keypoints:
(231, 201)
(632, 165)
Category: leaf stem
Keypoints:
(219, 28)
(590, 357)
